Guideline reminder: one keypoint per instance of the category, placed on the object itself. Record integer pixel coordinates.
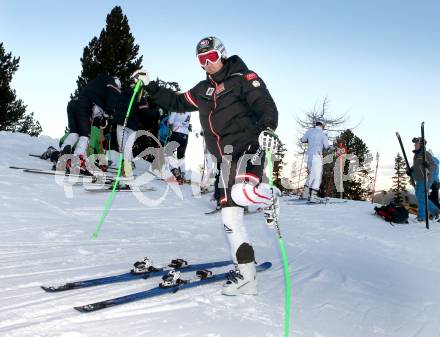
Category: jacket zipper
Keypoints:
(210, 120)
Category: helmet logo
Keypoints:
(204, 43)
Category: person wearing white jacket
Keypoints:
(316, 141)
(181, 127)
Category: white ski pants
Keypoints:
(314, 168)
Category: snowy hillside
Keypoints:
(353, 275)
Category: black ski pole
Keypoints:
(425, 182)
(404, 156)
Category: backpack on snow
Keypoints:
(393, 213)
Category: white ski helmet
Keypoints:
(211, 43)
(142, 75)
(320, 121)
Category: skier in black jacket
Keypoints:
(238, 116)
(143, 116)
(97, 102)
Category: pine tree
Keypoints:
(400, 180)
(13, 115)
(113, 53)
(357, 187)
(278, 166)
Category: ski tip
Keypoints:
(264, 265)
(81, 309)
(49, 289)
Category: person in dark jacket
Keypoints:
(433, 196)
(143, 116)
(238, 116)
(417, 174)
(95, 102)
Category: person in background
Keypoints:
(95, 104)
(181, 127)
(416, 172)
(316, 141)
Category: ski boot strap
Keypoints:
(178, 264)
(203, 274)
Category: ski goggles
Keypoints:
(417, 140)
(211, 56)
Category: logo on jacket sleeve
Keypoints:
(251, 76)
(210, 91)
(256, 83)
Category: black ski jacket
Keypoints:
(102, 91)
(417, 168)
(143, 116)
(234, 106)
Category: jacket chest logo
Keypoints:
(219, 89)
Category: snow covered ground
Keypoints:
(353, 275)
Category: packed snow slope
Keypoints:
(353, 275)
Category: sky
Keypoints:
(376, 61)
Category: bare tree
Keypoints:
(333, 124)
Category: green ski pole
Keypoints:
(110, 198)
(283, 251)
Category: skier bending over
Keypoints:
(238, 116)
(416, 172)
(317, 141)
(97, 102)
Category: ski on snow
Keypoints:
(203, 277)
(130, 276)
(120, 188)
(83, 178)
(323, 202)
(217, 210)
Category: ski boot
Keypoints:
(241, 281)
(314, 198)
(305, 195)
(435, 217)
(48, 153)
(177, 175)
(272, 213)
(144, 266)
(57, 155)
(178, 264)
(172, 279)
(82, 166)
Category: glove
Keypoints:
(101, 121)
(268, 140)
(142, 75)
(409, 172)
(97, 111)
